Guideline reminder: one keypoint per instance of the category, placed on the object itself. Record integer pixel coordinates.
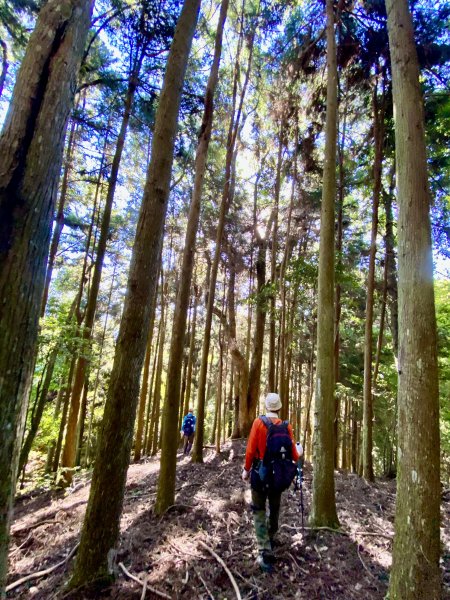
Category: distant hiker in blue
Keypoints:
(188, 430)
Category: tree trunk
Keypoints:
(69, 454)
(37, 415)
(415, 572)
(367, 430)
(156, 411)
(64, 414)
(337, 309)
(192, 354)
(197, 453)
(101, 525)
(144, 390)
(272, 380)
(5, 66)
(59, 219)
(392, 286)
(323, 507)
(166, 481)
(258, 337)
(143, 399)
(219, 394)
(150, 425)
(31, 148)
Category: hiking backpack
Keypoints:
(188, 425)
(277, 469)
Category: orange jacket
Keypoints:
(256, 445)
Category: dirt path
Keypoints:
(180, 554)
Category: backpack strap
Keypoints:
(267, 422)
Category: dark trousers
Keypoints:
(265, 528)
(187, 443)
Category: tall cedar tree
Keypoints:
(102, 522)
(323, 503)
(166, 481)
(415, 562)
(31, 148)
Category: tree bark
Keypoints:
(415, 572)
(272, 379)
(101, 525)
(166, 481)
(367, 429)
(323, 511)
(392, 285)
(5, 66)
(258, 337)
(31, 148)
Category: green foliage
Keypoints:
(442, 294)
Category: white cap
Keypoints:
(273, 401)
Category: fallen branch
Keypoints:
(227, 570)
(204, 583)
(304, 571)
(363, 563)
(12, 586)
(48, 517)
(388, 536)
(182, 550)
(147, 587)
(22, 545)
(340, 531)
(144, 589)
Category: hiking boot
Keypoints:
(265, 561)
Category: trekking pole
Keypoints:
(300, 485)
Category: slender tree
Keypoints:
(233, 130)
(415, 561)
(101, 525)
(31, 148)
(166, 480)
(367, 431)
(323, 502)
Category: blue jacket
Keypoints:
(184, 420)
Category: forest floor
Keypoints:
(193, 549)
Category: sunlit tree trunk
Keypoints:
(31, 149)
(415, 573)
(323, 507)
(101, 525)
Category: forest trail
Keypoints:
(213, 508)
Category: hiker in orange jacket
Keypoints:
(256, 448)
